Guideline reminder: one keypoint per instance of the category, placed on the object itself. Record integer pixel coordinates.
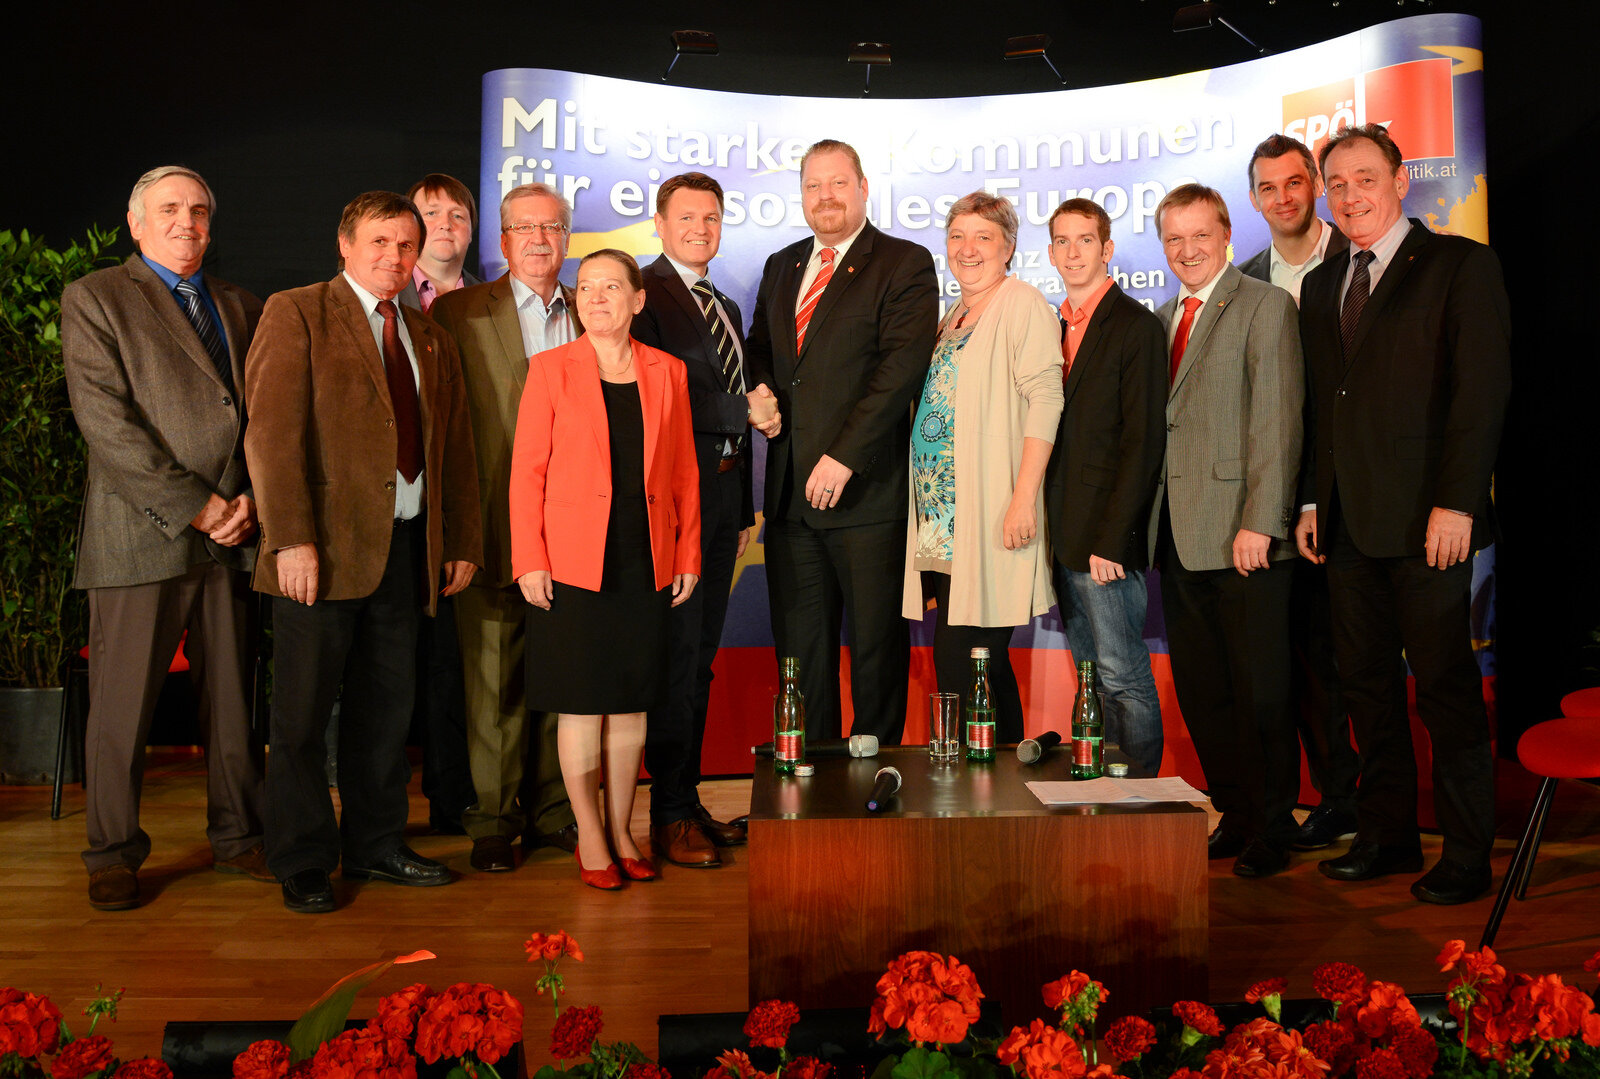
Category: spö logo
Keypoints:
(1413, 100)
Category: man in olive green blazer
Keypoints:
(515, 772)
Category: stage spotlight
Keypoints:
(699, 42)
(1203, 16)
(873, 54)
(1018, 48)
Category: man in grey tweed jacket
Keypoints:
(1222, 526)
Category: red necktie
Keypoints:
(802, 316)
(403, 395)
(1180, 340)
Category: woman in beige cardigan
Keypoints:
(985, 424)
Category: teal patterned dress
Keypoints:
(933, 460)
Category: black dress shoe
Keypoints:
(309, 892)
(723, 835)
(1449, 883)
(492, 854)
(1366, 860)
(1260, 859)
(563, 838)
(1324, 827)
(402, 866)
(1225, 844)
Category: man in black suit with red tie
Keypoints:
(1407, 343)
(843, 333)
(685, 315)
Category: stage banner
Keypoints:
(607, 144)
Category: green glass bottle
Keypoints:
(1088, 727)
(980, 710)
(788, 721)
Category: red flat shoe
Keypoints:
(639, 868)
(607, 879)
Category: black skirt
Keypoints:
(596, 653)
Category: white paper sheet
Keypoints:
(1106, 789)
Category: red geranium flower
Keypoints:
(144, 1068)
(552, 946)
(575, 1031)
(1339, 982)
(769, 1022)
(363, 1053)
(399, 1011)
(262, 1060)
(83, 1057)
(1199, 1017)
(1130, 1037)
(479, 1020)
(1386, 1006)
(1592, 964)
(29, 1026)
(1451, 954)
(933, 997)
(1044, 1052)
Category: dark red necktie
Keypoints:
(1180, 340)
(403, 395)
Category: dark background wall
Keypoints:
(290, 109)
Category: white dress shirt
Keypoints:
(407, 493)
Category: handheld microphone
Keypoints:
(887, 782)
(1031, 750)
(857, 745)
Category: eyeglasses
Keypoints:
(550, 230)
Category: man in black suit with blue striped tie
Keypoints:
(685, 315)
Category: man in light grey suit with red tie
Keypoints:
(154, 353)
(1222, 527)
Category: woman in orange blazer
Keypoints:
(605, 538)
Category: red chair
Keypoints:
(1582, 704)
(1567, 748)
(78, 671)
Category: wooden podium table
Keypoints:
(966, 861)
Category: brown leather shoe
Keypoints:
(723, 835)
(114, 887)
(492, 854)
(683, 843)
(252, 863)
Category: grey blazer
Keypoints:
(483, 321)
(163, 432)
(1234, 423)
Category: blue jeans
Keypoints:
(1105, 623)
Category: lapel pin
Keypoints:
(849, 269)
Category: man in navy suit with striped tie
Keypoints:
(685, 315)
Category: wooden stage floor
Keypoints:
(208, 946)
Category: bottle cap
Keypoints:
(980, 653)
(803, 770)
(1118, 770)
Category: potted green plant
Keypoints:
(41, 492)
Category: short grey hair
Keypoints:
(155, 176)
(993, 208)
(527, 190)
